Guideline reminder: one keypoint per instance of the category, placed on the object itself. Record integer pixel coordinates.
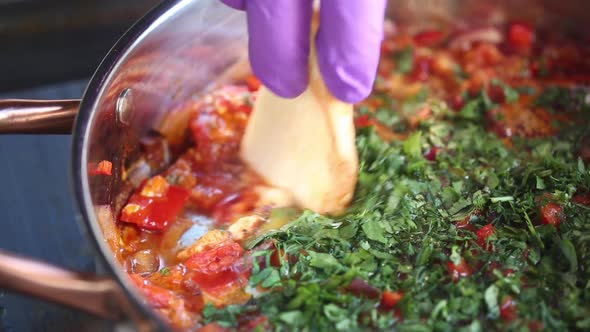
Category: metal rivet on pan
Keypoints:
(124, 105)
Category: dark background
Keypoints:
(49, 50)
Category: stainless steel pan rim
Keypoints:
(80, 139)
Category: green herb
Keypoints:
(408, 221)
(165, 271)
(405, 60)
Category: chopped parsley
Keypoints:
(402, 231)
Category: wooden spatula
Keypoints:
(305, 145)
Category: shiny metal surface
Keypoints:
(170, 56)
(21, 116)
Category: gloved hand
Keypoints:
(348, 44)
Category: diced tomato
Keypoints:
(508, 310)
(536, 326)
(496, 93)
(429, 38)
(422, 68)
(359, 287)
(154, 208)
(483, 234)
(466, 222)
(363, 120)
(390, 299)
(217, 129)
(459, 271)
(521, 36)
(104, 167)
(582, 199)
(213, 327)
(218, 266)
(158, 297)
(457, 103)
(551, 214)
(233, 206)
(255, 324)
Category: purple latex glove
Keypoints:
(348, 44)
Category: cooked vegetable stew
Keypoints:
(472, 209)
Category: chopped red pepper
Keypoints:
(459, 271)
(521, 36)
(508, 310)
(104, 167)
(363, 120)
(457, 103)
(156, 205)
(253, 83)
(429, 38)
(483, 234)
(551, 214)
(218, 266)
(213, 327)
(233, 206)
(390, 299)
(218, 128)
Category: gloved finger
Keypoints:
(236, 4)
(348, 46)
(279, 45)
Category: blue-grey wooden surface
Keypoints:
(37, 218)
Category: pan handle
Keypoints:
(96, 295)
(23, 116)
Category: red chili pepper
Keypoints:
(551, 214)
(152, 210)
(104, 167)
(521, 36)
(429, 38)
(508, 310)
(483, 234)
(459, 271)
